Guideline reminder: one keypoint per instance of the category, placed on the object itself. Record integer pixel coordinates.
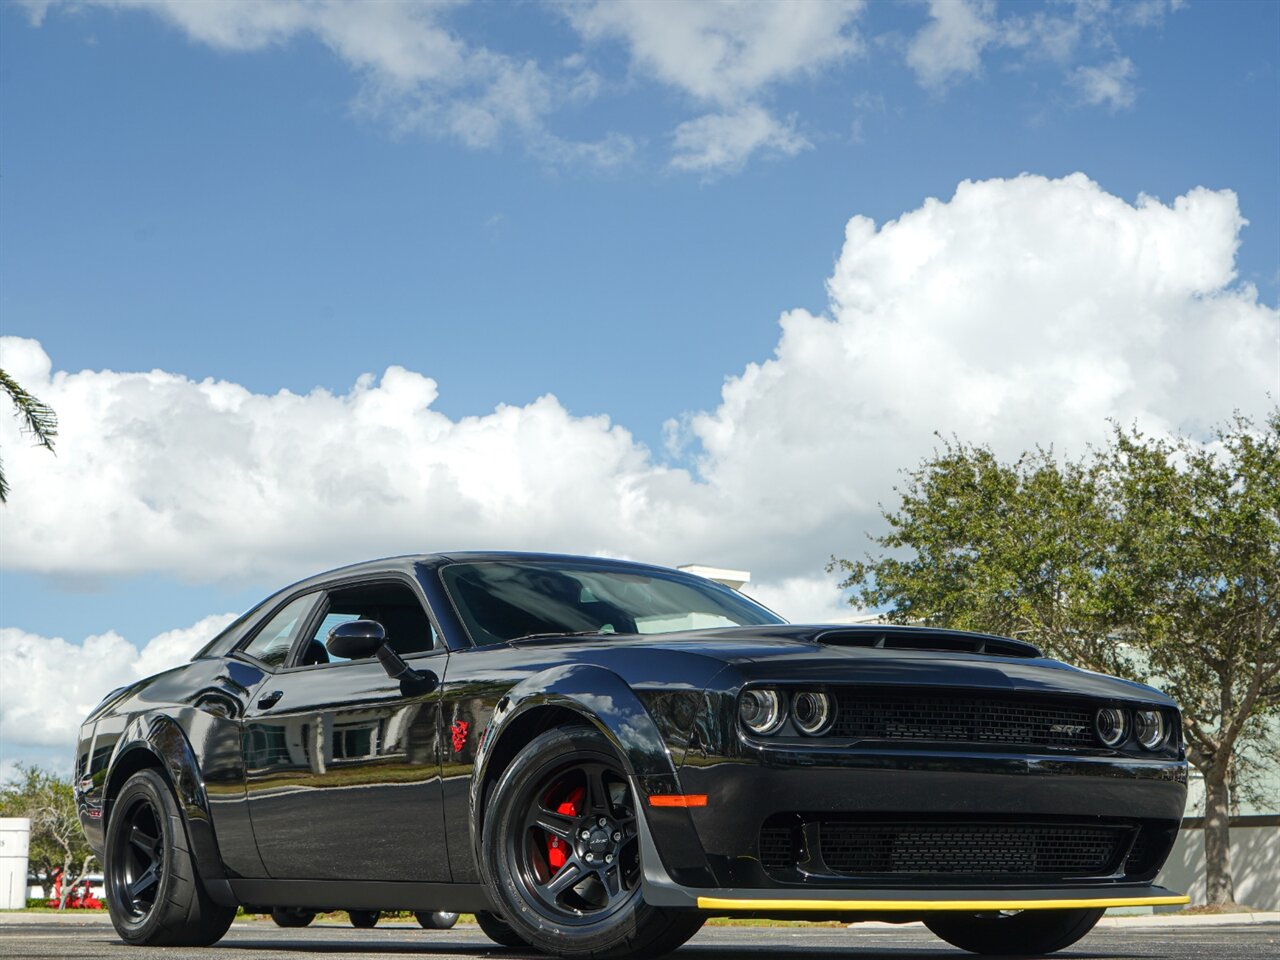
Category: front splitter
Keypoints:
(964, 901)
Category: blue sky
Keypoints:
(276, 206)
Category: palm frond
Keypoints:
(38, 418)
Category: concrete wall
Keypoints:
(1255, 862)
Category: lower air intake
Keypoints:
(971, 849)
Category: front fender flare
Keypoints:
(168, 747)
(607, 702)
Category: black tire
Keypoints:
(292, 916)
(589, 904)
(499, 931)
(435, 919)
(154, 893)
(364, 919)
(1027, 933)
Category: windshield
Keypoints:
(509, 599)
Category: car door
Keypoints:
(342, 762)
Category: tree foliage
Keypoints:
(1158, 560)
(57, 842)
(38, 419)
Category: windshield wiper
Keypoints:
(568, 633)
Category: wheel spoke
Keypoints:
(144, 882)
(597, 790)
(556, 824)
(143, 842)
(612, 879)
(565, 877)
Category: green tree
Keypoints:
(1155, 560)
(38, 419)
(57, 842)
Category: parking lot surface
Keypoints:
(256, 940)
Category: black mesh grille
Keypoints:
(971, 849)
(1149, 850)
(777, 847)
(874, 715)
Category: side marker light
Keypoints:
(678, 800)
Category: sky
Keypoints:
(313, 282)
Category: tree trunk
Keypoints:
(1217, 837)
(64, 891)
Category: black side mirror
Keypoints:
(356, 639)
(362, 639)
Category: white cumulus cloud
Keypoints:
(1017, 312)
(48, 685)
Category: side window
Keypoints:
(394, 605)
(272, 643)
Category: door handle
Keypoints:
(269, 700)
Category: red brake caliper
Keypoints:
(557, 849)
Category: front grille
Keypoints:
(971, 849)
(777, 847)
(863, 714)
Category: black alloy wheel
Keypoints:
(1014, 933)
(153, 888)
(138, 866)
(578, 855)
(561, 851)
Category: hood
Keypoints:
(876, 654)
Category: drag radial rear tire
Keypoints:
(1026, 933)
(561, 853)
(154, 892)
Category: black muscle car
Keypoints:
(595, 756)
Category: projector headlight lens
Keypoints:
(812, 712)
(761, 711)
(1112, 726)
(1149, 728)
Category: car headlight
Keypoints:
(761, 711)
(1149, 728)
(812, 712)
(1112, 725)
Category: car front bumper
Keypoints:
(711, 856)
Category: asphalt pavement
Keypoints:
(93, 939)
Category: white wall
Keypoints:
(1255, 864)
(15, 840)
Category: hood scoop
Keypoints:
(941, 641)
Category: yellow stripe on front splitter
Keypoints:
(720, 903)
